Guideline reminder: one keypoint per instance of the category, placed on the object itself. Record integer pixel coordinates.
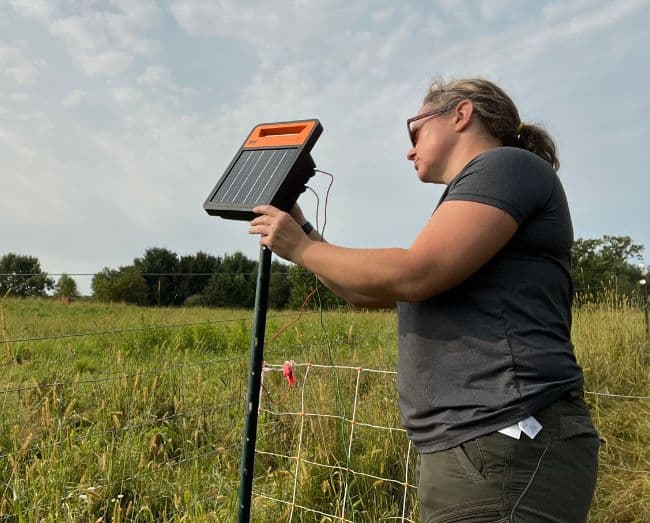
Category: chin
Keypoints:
(425, 177)
(421, 174)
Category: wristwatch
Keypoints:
(307, 228)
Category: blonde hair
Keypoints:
(497, 113)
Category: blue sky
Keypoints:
(117, 117)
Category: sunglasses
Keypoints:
(412, 130)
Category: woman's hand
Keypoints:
(279, 232)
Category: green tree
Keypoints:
(605, 263)
(198, 264)
(21, 275)
(234, 284)
(302, 283)
(102, 284)
(66, 287)
(279, 286)
(125, 284)
(158, 266)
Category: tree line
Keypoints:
(610, 264)
(162, 278)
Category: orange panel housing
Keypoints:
(279, 134)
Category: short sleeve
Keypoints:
(513, 180)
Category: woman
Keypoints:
(490, 391)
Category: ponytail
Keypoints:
(535, 139)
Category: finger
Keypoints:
(266, 209)
(259, 229)
(261, 220)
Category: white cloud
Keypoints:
(562, 8)
(7, 136)
(14, 64)
(189, 91)
(126, 95)
(276, 29)
(15, 143)
(158, 79)
(460, 13)
(34, 8)
(34, 117)
(327, 37)
(383, 15)
(19, 97)
(594, 19)
(490, 9)
(142, 13)
(107, 42)
(222, 17)
(524, 42)
(90, 45)
(74, 98)
(155, 75)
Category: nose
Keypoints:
(410, 155)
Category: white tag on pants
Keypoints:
(529, 426)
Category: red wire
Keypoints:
(304, 303)
(302, 309)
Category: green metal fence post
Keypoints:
(254, 384)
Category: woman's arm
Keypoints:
(351, 297)
(459, 238)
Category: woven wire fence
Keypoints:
(388, 481)
(396, 485)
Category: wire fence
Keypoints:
(404, 512)
(321, 452)
(352, 422)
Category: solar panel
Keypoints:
(271, 167)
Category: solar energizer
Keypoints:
(271, 167)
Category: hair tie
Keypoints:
(520, 127)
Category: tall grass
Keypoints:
(145, 425)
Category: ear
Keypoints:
(463, 115)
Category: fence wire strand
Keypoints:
(143, 328)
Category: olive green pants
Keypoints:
(497, 478)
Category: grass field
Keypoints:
(144, 423)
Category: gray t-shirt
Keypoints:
(496, 348)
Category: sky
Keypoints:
(118, 117)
